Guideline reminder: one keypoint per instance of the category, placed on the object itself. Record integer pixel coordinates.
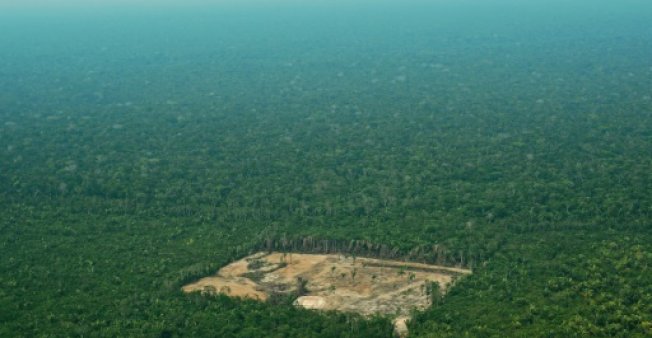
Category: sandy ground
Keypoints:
(334, 282)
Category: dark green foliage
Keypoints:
(434, 291)
(561, 284)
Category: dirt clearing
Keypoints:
(334, 282)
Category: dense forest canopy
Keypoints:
(161, 146)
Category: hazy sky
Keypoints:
(161, 3)
(89, 3)
(122, 3)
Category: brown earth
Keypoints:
(334, 282)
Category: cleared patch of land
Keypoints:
(334, 282)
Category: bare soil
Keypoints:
(334, 282)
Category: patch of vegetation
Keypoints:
(256, 264)
(302, 286)
(255, 276)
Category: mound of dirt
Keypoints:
(311, 302)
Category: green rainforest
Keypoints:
(144, 146)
